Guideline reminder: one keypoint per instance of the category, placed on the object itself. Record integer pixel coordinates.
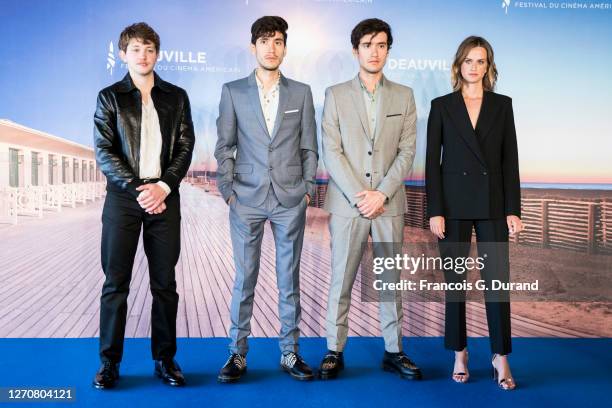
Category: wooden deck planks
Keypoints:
(50, 281)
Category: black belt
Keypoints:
(149, 180)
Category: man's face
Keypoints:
(372, 52)
(139, 56)
(269, 51)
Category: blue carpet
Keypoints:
(549, 372)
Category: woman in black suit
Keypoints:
(472, 181)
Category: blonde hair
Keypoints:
(490, 78)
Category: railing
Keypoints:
(567, 224)
(319, 198)
(8, 206)
(52, 197)
(69, 194)
(416, 215)
(209, 183)
(29, 201)
(80, 192)
(604, 234)
(33, 200)
(90, 191)
(573, 224)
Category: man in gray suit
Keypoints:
(267, 160)
(369, 136)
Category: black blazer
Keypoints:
(472, 174)
(117, 133)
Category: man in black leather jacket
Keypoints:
(144, 138)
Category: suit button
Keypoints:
(465, 173)
(270, 168)
(370, 153)
(270, 148)
(367, 174)
(484, 173)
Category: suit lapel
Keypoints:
(459, 115)
(283, 100)
(360, 107)
(488, 113)
(255, 103)
(385, 101)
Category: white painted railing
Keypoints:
(32, 200)
(100, 189)
(52, 197)
(69, 195)
(81, 193)
(29, 201)
(8, 206)
(90, 191)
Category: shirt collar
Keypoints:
(376, 88)
(127, 85)
(260, 84)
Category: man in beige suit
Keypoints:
(369, 137)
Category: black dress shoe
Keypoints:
(233, 369)
(400, 363)
(293, 364)
(170, 372)
(331, 365)
(107, 375)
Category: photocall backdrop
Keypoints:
(553, 58)
(554, 62)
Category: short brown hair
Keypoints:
(140, 31)
(464, 49)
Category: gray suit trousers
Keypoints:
(247, 228)
(348, 236)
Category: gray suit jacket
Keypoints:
(355, 162)
(249, 158)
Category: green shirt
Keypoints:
(371, 103)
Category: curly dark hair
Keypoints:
(266, 26)
(370, 26)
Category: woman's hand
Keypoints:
(436, 225)
(515, 225)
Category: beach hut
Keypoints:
(41, 172)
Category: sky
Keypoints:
(553, 62)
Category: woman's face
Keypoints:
(474, 66)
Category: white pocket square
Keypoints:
(292, 111)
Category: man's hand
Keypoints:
(371, 203)
(515, 225)
(158, 210)
(151, 196)
(437, 226)
(377, 213)
(307, 200)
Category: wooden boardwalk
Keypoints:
(50, 281)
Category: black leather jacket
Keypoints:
(117, 133)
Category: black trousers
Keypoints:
(122, 219)
(492, 239)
